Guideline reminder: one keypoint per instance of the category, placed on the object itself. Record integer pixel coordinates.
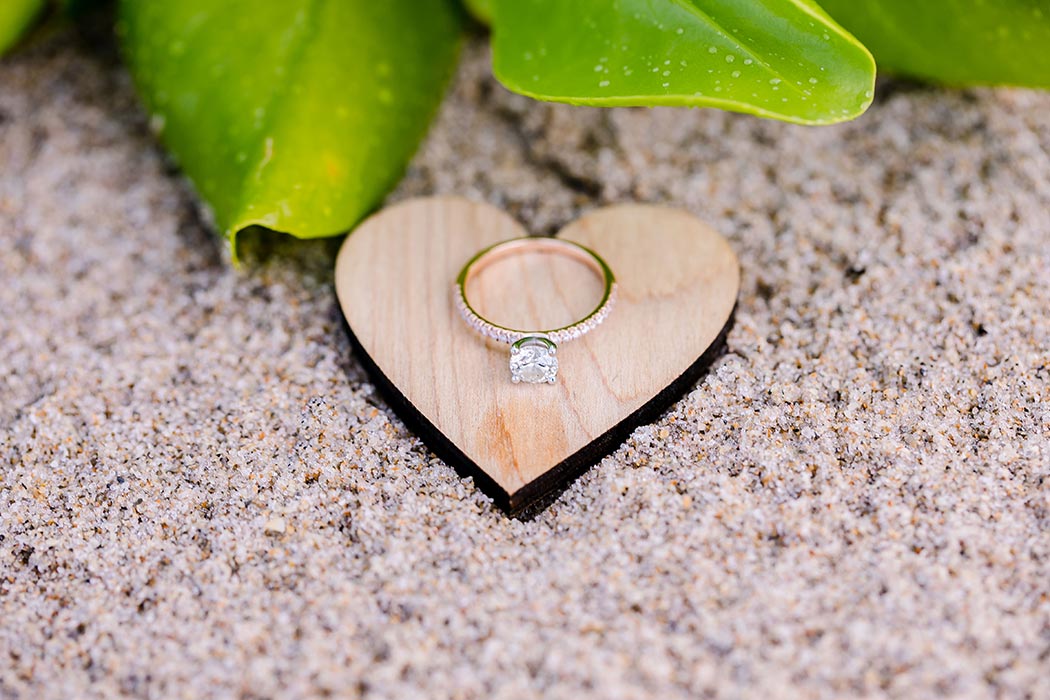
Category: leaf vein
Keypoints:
(690, 7)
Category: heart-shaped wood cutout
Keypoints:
(523, 443)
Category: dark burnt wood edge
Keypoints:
(531, 499)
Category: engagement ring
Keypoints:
(533, 353)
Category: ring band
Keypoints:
(533, 352)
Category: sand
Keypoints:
(201, 493)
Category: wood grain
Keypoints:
(678, 283)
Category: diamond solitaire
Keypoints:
(533, 353)
(534, 360)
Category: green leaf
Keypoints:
(480, 9)
(16, 17)
(955, 41)
(297, 115)
(784, 59)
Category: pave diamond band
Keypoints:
(534, 352)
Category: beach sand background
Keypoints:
(202, 495)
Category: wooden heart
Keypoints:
(523, 443)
